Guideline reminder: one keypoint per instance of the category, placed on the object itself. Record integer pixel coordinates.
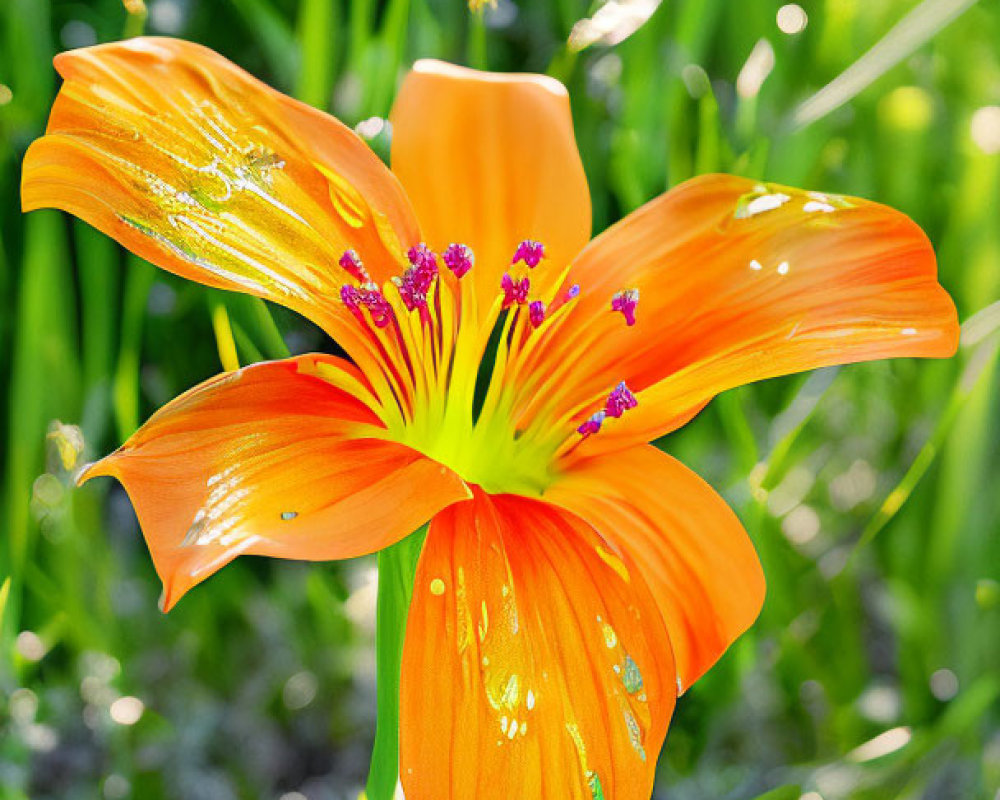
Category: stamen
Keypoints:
(423, 258)
(625, 301)
(458, 258)
(514, 291)
(530, 252)
(620, 400)
(592, 425)
(417, 280)
(371, 298)
(536, 312)
(351, 262)
(351, 297)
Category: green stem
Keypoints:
(397, 567)
(477, 41)
(135, 21)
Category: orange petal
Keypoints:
(200, 168)
(535, 663)
(489, 160)
(686, 542)
(740, 282)
(271, 460)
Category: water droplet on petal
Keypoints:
(610, 637)
(631, 676)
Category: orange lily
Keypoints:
(574, 578)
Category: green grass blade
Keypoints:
(910, 33)
(317, 34)
(139, 279)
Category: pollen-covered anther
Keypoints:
(458, 258)
(350, 262)
(368, 296)
(351, 297)
(619, 401)
(422, 258)
(377, 305)
(514, 292)
(417, 280)
(626, 301)
(536, 312)
(592, 424)
(530, 251)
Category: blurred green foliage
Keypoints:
(874, 671)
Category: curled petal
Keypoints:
(535, 663)
(275, 460)
(685, 541)
(740, 281)
(200, 168)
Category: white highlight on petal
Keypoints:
(817, 205)
(767, 202)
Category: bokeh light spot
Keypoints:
(985, 129)
(792, 19)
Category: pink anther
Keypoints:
(514, 291)
(458, 258)
(530, 252)
(625, 301)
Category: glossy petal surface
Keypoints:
(686, 542)
(490, 160)
(200, 168)
(535, 664)
(271, 460)
(739, 282)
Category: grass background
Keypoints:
(871, 492)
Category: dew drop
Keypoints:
(760, 204)
(610, 638)
(594, 784)
(437, 587)
(634, 734)
(818, 205)
(511, 691)
(631, 676)
(287, 515)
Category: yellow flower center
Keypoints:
(456, 381)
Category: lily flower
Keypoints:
(504, 378)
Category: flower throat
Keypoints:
(449, 368)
